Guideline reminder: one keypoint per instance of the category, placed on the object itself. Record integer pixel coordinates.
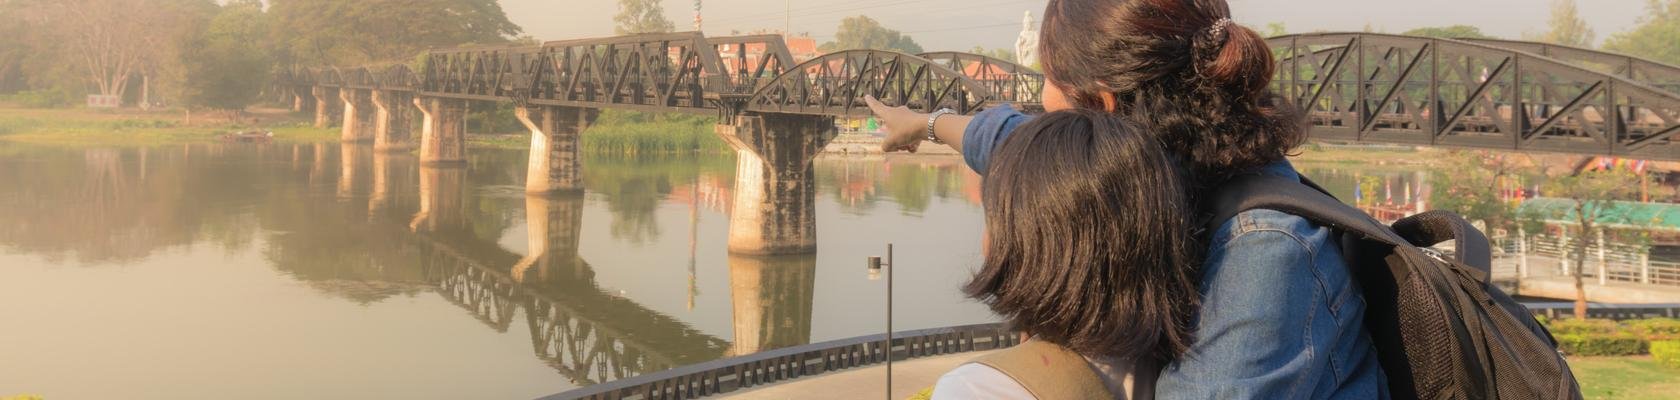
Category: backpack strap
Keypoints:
(1295, 197)
(1305, 199)
(1048, 371)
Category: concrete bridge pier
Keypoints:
(301, 101)
(771, 298)
(327, 104)
(553, 226)
(443, 132)
(775, 198)
(391, 122)
(554, 162)
(358, 115)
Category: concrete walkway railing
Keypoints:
(731, 374)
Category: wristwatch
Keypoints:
(932, 118)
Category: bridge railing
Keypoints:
(728, 375)
(1608, 262)
(1409, 90)
(1637, 69)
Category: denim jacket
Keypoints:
(1280, 318)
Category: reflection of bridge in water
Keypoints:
(582, 330)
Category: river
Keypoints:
(311, 271)
(327, 270)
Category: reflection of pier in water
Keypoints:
(586, 333)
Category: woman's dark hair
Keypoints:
(1088, 245)
(1179, 72)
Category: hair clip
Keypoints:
(1218, 29)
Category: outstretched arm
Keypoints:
(907, 129)
(974, 137)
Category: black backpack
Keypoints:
(1441, 329)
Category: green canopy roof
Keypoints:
(1615, 214)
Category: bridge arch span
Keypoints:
(1008, 80)
(835, 84)
(1409, 90)
(1664, 76)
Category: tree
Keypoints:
(110, 42)
(335, 32)
(1001, 54)
(1657, 37)
(1566, 26)
(1594, 194)
(1449, 32)
(1470, 186)
(862, 32)
(641, 16)
(228, 64)
(1276, 29)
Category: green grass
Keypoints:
(658, 136)
(82, 127)
(1631, 378)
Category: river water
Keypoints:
(329, 271)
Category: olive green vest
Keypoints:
(1048, 371)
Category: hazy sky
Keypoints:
(962, 24)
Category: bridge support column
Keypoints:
(326, 105)
(443, 134)
(554, 164)
(391, 122)
(771, 298)
(357, 112)
(301, 101)
(775, 198)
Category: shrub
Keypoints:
(40, 99)
(1655, 328)
(1666, 352)
(1578, 326)
(1602, 344)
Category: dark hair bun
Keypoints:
(1243, 64)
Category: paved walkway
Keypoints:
(909, 377)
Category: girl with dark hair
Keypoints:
(1084, 218)
(1279, 315)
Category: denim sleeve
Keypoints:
(1254, 336)
(986, 132)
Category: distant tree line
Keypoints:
(201, 54)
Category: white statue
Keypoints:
(1026, 47)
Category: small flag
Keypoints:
(1388, 192)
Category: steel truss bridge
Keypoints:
(687, 72)
(1355, 87)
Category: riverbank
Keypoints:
(85, 127)
(613, 133)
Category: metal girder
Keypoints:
(1664, 76)
(836, 83)
(745, 73)
(1410, 90)
(1007, 80)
